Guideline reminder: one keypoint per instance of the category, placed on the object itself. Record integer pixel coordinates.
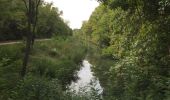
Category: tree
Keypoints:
(134, 49)
(150, 10)
(12, 20)
(31, 12)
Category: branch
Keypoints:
(25, 5)
(35, 21)
(38, 3)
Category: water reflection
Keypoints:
(87, 80)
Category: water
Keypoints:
(87, 80)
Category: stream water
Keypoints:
(86, 79)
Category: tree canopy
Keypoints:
(133, 36)
(13, 21)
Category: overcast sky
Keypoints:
(75, 11)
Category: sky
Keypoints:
(75, 11)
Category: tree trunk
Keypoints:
(26, 56)
(28, 41)
(32, 15)
(36, 5)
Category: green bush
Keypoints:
(37, 88)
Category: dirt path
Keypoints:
(17, 42)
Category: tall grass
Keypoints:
(53, 65)
(10, 63)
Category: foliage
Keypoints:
(52, 62)
(151, 9)
(13, 21)
(130, 52)
(127, 41)
(37, 88)
(50, 23)
(10, 62)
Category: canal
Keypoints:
(87, 80)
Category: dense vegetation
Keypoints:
(13, 21)
(52, 67)
(53, 64)
(127, 41)
(132, 55)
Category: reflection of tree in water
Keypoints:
(88, 85)
(90, 91)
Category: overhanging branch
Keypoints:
(25, 5)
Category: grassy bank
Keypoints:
(53, 65)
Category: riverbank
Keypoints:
(53, 65)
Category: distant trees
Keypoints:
(18, 20)
(50, 22)
(13, 21)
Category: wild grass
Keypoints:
(57, 59)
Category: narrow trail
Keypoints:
(18, 42)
